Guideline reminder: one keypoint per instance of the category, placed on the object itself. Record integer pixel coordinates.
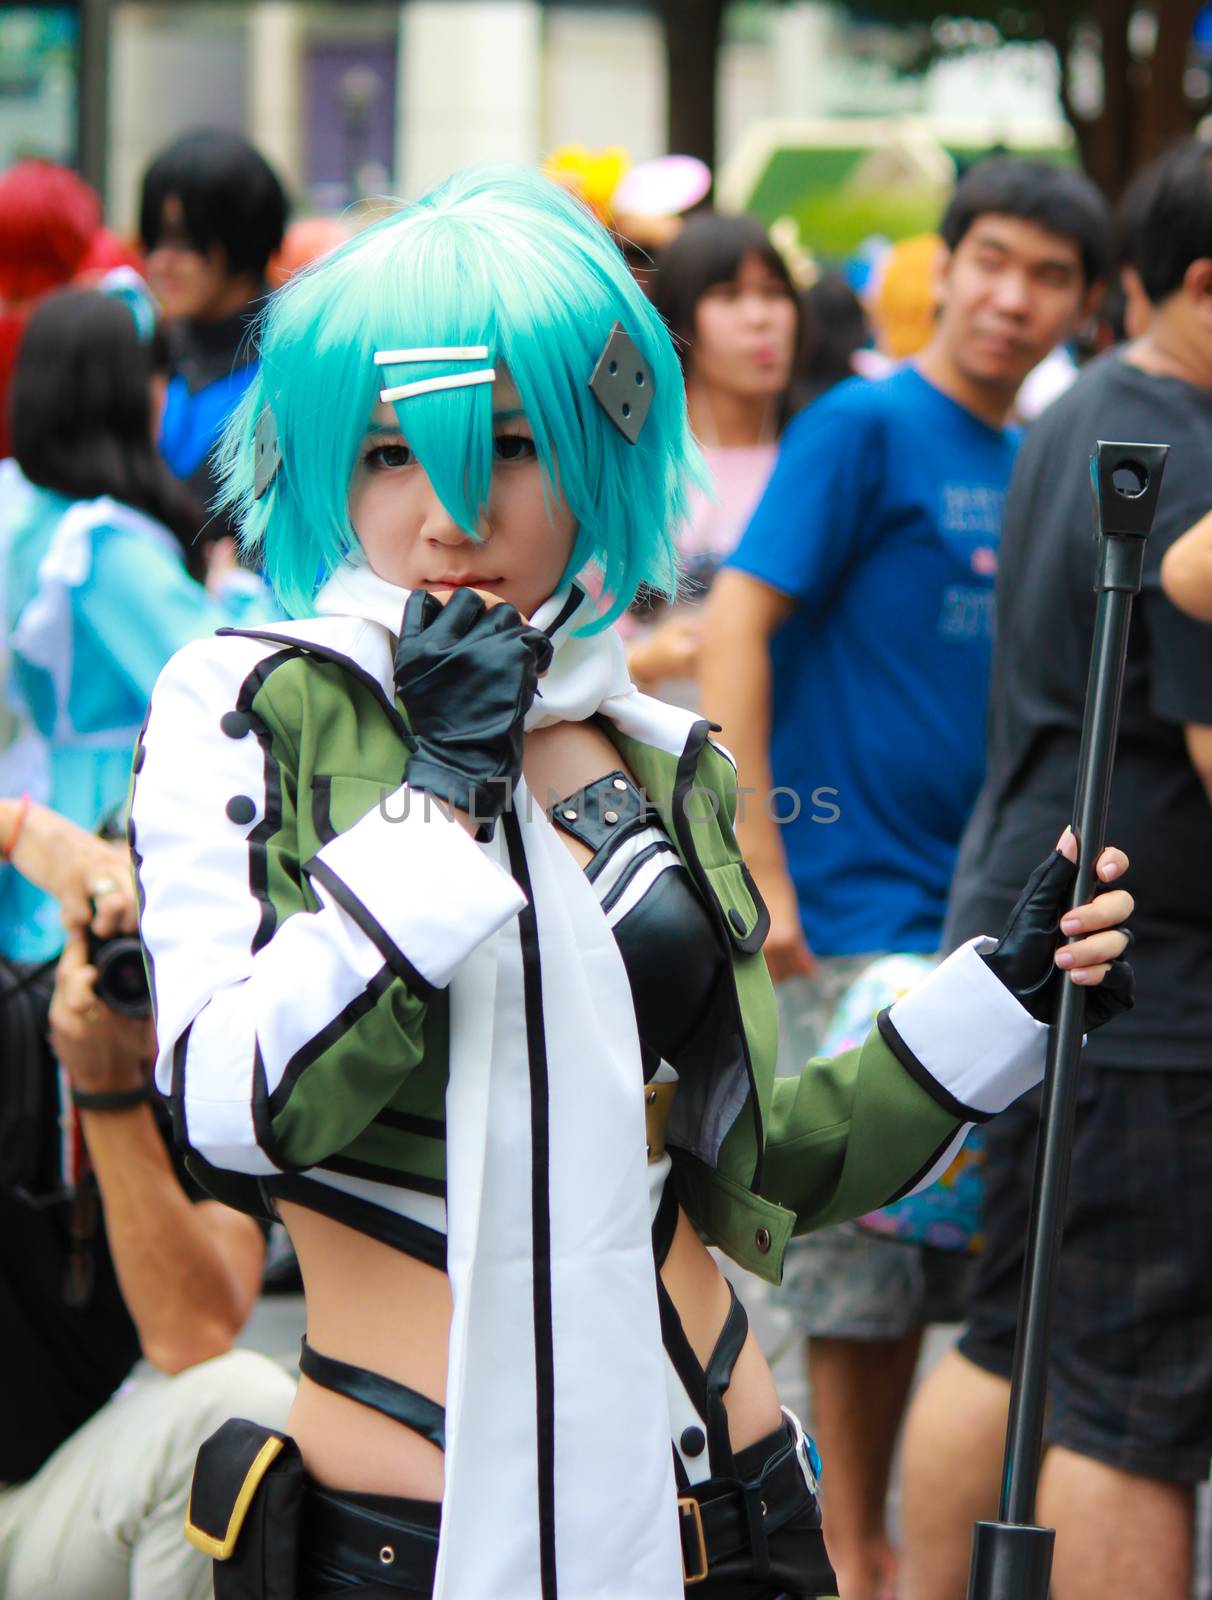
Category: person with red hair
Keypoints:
(49, 218)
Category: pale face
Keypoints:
(744, 333)
(410, 539)
(1007, 294)
(190, 286)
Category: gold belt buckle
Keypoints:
(689, 1507)
(658, 1102)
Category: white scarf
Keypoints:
(594, 1427)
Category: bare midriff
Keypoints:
(372, 1306)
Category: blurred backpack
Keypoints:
(29, 1089)
(66, 1337)
(947, 1215)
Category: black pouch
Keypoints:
(244, 1511)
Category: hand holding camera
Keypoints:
(102, 1051)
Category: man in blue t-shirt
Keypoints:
(846, 654)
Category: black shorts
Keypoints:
(1131, 1372)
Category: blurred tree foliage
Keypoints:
(1129, 81)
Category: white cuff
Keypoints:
(417, 885)
(967, 1039)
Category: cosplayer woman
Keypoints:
(493, 1039)
(99, 567)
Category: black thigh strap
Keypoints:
(718, 1374)
(394, 1400)
(665, 1223)
(708, 1385)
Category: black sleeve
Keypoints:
(186, 1175)
(1180, 661)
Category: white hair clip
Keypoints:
(453, 380)
(454, 352)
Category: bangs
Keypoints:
(709, 251)
(505, 260)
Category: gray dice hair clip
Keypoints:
(267, 451)
(622, 383)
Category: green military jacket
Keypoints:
(266, 751)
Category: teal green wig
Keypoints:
(495, 256)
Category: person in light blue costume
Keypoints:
(98, 581)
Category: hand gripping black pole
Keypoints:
(1012, 1558)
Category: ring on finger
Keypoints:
(92, 1014)
(103, 886)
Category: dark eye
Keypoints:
(389, 455)
(513, 447)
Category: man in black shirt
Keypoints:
(1130, 1422)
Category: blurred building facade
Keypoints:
(364, 97)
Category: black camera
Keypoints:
(121, 976)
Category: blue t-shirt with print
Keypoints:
(881, 521)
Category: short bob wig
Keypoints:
(494, 256)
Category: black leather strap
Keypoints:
(586, 814)
(781, 1490)
(665, 1223)
(718, 1375)
(394, 1400)
(110, 1099)
(367, 1540)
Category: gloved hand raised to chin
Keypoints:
(466, 674)
(1026, 957)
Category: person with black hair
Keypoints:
(726, 294)
(1129, 1432)
(835, 328)
(108, 1251)
(97, 545)
(846, 654)
(211, 214)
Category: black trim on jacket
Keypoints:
(922, 1076)
(324, 653)
(370, 926)
(540, 1204)
(348, 1017)
(683, 784)
(258, 838)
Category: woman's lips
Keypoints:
(461, 583)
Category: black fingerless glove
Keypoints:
(1023, 958)
(467, 675)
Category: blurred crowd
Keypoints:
(886, 604)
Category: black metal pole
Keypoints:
(1012, 1558)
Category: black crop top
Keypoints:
(662, 928)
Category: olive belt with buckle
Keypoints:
(658, 1102)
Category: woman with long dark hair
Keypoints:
(99, 564)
